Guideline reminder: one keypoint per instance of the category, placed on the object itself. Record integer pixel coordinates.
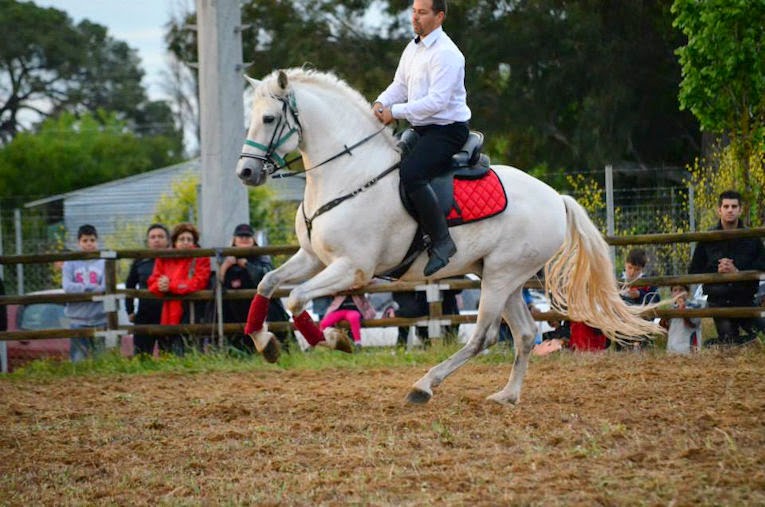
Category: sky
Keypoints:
(139, 23)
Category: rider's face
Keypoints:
(424, 19)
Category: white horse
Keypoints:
(352, 225)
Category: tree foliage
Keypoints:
(553, 84)
(180, 205)
(723, 65)
(71, 152)
(50, 65)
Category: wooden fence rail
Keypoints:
(113, 295)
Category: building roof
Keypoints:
(110, 205)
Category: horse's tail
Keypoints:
(581, 282)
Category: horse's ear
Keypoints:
(253, 82)
(282, 80)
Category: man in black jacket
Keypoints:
(149, 310)
(730, 256)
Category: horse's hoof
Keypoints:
(502, 400)
(272, 351)
(418, 397)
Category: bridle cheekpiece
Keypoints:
(283, 131)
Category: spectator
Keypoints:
(584, 338)
(634, 294)
(149, 310)
(3, 309)
(415, 304)
(730, 256)
(85, 276)
(352, 309)
(179, 276)
(246, 273)
(682, 332)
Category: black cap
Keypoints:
(244, 230)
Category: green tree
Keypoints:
(723, 65)
(49, 65)
(70, 152)
(276, 218)
(555, 85)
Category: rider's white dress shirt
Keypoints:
(429, 85)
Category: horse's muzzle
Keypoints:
(251, 171)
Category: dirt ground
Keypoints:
(611, 429)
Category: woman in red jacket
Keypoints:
(179, 276)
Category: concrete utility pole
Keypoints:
(221, 103)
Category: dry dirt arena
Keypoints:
(611, 429)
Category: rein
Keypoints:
(273, 162)
(337, 201)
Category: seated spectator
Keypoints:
(585, 338)
(682, 332)
(352, 309)
(149, 310)
(635, 293)
(179, 276)
(632, 293)
(246, 273)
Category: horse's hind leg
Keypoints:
(485, 334)
(524, 330)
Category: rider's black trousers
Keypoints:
(432, 154)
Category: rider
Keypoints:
(428, 90)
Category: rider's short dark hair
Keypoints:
(439, 6)
(729, 194)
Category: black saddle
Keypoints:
(467, 164)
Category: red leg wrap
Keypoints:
(257, 314)
(307, 327)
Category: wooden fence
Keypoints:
(435, 318)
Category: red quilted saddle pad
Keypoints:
(477, 199)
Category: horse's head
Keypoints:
(274, 130)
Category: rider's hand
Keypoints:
(382, 113)
(377, 109)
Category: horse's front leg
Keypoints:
(300, 266)
(342, 274)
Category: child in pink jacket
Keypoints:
(351, 309)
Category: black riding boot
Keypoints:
(433, 223)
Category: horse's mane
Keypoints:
(319, 78)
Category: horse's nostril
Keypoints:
(246, 173)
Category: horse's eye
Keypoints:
(268, 118)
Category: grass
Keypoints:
(318, 358)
